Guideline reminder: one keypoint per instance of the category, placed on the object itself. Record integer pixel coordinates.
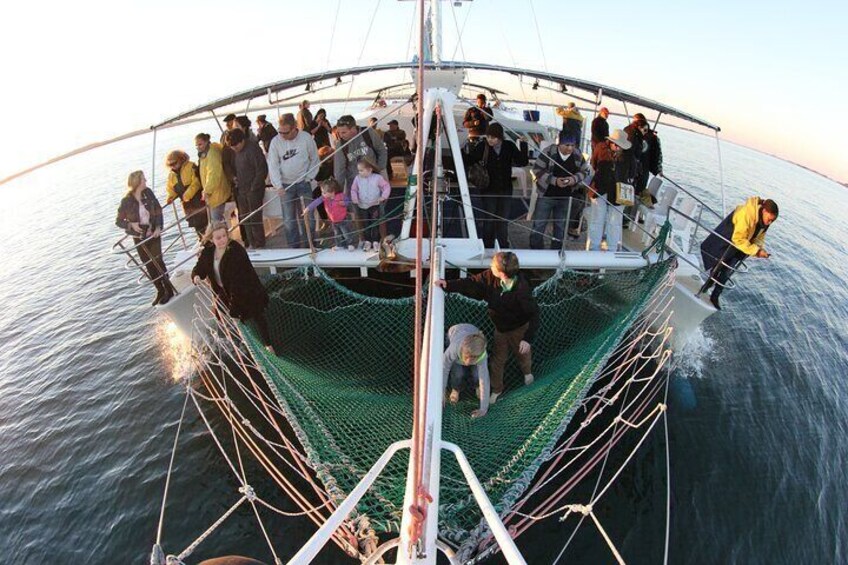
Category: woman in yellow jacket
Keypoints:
(184, 185)
(217, 188)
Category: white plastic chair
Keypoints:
(656, 217)
(682, 227)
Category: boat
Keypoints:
(358, 437)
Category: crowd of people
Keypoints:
(339, 176)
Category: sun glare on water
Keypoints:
(176, 350)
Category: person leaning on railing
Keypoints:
(140, 216)
(184, 185)
(225, 264)
(746, 227)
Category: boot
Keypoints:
(168, 291)
(714, 297)
(160, 293)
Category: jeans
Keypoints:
(371, 218)
(292, 211)
(495, 219)
(604, 218)
(217, 212)
(344, 233)
(549, 209)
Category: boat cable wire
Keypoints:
(361, 53)
(458, 32)
(333, 33)
(462, 29)
(170, 470)
(667, 477)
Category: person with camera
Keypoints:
(560, 171)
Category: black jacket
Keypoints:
(499, 166)
(610, 170)
(508, 310)
(242, 291)
(600, 129)
(267, 135)
(251, 168)
(128, 211)
(477, 119)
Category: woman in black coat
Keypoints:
(225, 264)
(500, 157)
(140, 215)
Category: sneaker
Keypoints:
(351, 248)
(334, 248)
(528, 379)
(366, 246)
(494, 397)
(375, 245)
(454, 396)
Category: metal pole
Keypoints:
(179, 225)
(567, 226)
(306, 226)
(720, 173)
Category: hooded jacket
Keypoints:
(216, 185)
(743, 228)
(456, 335)
(549, 166)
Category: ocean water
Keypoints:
(758, 413)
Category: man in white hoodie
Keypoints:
(464, 361)
(292, 165)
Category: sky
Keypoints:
(773, 75)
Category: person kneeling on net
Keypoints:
(465, 362)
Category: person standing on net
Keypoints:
(465, 365)
(292, 165)
(512, 309)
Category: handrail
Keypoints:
(698, 200)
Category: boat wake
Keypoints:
(689, 359)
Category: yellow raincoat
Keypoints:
(216, 185)
(189, 180)
(745, 219)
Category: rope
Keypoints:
(170, 470)
(361, 52)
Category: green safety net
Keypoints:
(344, 379)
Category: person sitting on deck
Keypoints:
(746, 227)
(335, 204)
(512, 309)
(559, 170)
(612, 166)
(251, 170)
(292, 164)
(572, 122)
(369, 192)
(499, 156)
(465, 363)
(225, 264)
(184, 184)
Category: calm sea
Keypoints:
(88, 404)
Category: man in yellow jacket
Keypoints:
(216, 184)
(740, 235)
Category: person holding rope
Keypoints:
(512, 309)
(225, 264)
(746, 228)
